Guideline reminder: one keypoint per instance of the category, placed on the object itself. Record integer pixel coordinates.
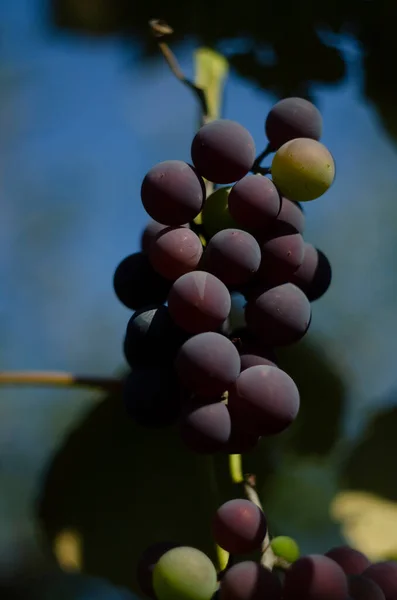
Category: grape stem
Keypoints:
(59, 379)
(261, 170)
(259, 159)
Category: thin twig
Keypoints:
(261, 170)
(59, 379)
(259, 159)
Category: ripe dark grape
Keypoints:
(149, 234)
(249, 580)
(291, 214)
(293, 118)
(175, 251)
(314, 275)
(233, 256)
(152, 338)
(206, 426)
(239, 526)
(279, 316)
(172, 192)
(254, 202)
(315, 577)
(385, 575)
(252, 354)
(199, 302)
(352, 561)
(223, 151)
(146, 564)
(282, 254)
(264, 399)
(137, 284)
(152, 396)
(208, 364)
(361, 588)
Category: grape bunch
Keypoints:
(189, 364)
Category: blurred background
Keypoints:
(87, 106)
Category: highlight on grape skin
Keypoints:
(175, 251)
(184, 573)
(286, 548)
(223, 151)
(216, 215)
(208, 364)
(172, 192)
(239, 526)
(315, 576)
(292, 118)
(254, 202)
(249, 580)
(264, 399)
(303, 169)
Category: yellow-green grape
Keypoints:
(303, 169)
(286, 548)
(215, 214)
(184, 573)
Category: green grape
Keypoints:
(286, 548)
(303, 169)
(184, 573)
(216, 215)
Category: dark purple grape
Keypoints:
(280, 316)
(175, 251)
(206, 426)
(146, 564)
(233, 256)
(291, 214)
(352, 561)
(223, 151)
(385, 575)
(199, 302)
(239, 526)
(208, 364)
(137, 284)
(315, 577)
(252, 354)
(172, 192)
(152, 396)
(249, 580)
(293, 118)
(254, 202)
(149, 234)
(282, 254)
(264, 399)
(361, 588)
(314, 275)
(152, 338)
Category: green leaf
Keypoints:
(211, 71)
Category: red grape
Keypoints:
(291, 214)
(314, 275)
(199, 302)
(137, 284)
(172, 192)
(239, 526)
(253, 354)
(206, 426)
(315, 577)
(352, 561)
(149, 234)
(175, 251)
(254, 202)
(223, 151)
(264, 399)
(282, 254)
(208, 364)
(293, 118)
(385, 575)
(361, 588)
(249, 580)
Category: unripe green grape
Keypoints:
(184, 573)
(286, 548)
(303, 169)
(215, 214)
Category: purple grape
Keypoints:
(233, 256)
(282, 254)
(152, 338)
(206, 426)
(239, 526)
(146, 564)
(385, 575)
(315, 577)
(175, 251)
(314, 275)
(291, 214)
(173, 193)
(264, 400)
(350, 560)
(252, 354)
(223, 151)
(136, 283)
(361, 588)
(149, 234)
(254, 202)
(249, 580)
(293, 118)
(199, 302)
(279, 316)
(152, 396)
(208, 364)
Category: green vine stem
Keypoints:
(59, 379)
